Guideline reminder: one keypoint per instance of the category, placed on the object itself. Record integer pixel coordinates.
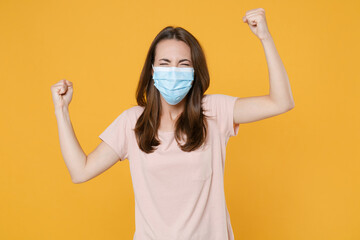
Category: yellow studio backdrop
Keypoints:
(294, 176)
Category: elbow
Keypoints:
(291, 106)
(77, 180)
(288, 107)
(78, 176)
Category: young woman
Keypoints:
(175, 138)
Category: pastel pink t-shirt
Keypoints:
(178, 195)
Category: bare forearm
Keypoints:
(74, 156)
(280, 90)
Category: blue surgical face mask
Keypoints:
(173, 82)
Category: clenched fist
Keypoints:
(256, 20)
(62, 92)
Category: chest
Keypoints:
(169, 164)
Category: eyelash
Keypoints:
(181, 64)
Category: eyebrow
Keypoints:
(167, 60)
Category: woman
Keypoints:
(175, 138)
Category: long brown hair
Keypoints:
(192, 121)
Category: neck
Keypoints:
(171, 112)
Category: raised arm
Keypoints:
(280, 99)
(81, 167)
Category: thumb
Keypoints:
(244, 19)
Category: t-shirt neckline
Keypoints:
(165, 132)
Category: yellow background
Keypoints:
(294, 176)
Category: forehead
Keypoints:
(172, 49)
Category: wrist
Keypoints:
(266, 37)
(61, 110)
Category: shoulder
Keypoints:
(210, 101)
(133, 113)
(207, 98)
(210, 98)
(215, 96)
(217, 99)
(135, 109)
(218, 104)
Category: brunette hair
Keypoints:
(192, 121)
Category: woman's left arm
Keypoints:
(280, 99)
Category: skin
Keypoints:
(174, 51)
(280, 99)
(84, 167)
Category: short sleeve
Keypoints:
(223, 107)
(116, 135)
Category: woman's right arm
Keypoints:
(81, 167)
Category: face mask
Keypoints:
(173, 82)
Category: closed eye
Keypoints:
(181, 64)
